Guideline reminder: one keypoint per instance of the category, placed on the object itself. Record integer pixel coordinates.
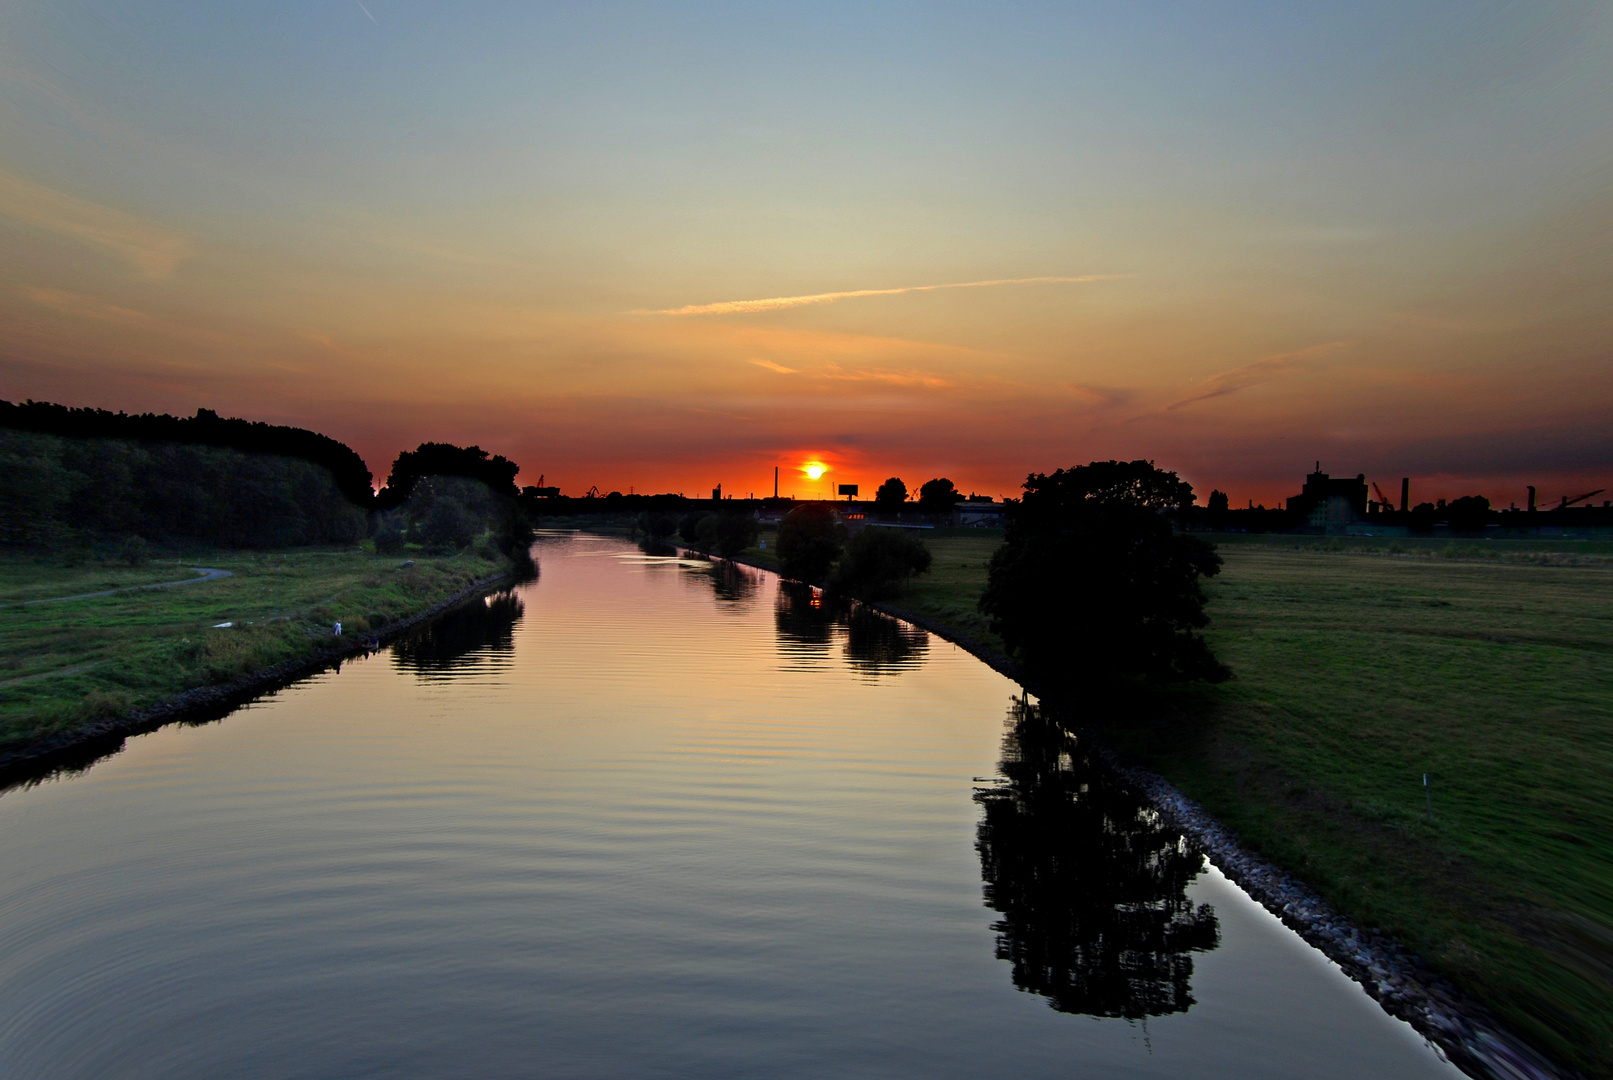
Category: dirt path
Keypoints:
(207, 575)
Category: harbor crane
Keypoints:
(1567, 502)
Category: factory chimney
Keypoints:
(1531, 498)
(1405, 494)
(775, 481)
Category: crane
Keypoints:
(1567, 502)
(1383, 500)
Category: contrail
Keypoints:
(743, 307)
(365, 10)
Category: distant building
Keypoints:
(981, 515)
(1330, 503)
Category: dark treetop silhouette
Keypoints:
(809, 542)
(445, 459)
(891, 495)
(206, 428)
(1090, 883)
(1094, 581)
(938, 496)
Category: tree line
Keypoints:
(347, 469)
(1095, 577)
(78, 480)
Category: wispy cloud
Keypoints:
(910, 377)
(780, 368)
(79, 306)
(1262, 370)
(152, 251)
(745, 307)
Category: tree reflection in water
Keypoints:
(807, 623)
(877, 644)
(1090, 883)
(466, 637)
(733, 584)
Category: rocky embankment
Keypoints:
(1464, 1031)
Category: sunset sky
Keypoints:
(666, 246)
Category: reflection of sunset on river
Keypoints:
(647, 809)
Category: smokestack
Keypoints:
(1531, 498)
(775, 481)
(1405, 494)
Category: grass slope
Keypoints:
(1360, 666)
(64, 663)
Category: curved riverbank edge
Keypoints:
(1463, 1030)
(89, 743)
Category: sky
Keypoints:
(661, 247)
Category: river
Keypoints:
(643, 817)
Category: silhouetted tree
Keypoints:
(1470, 513)
(1218, 502)
(727, 534)
(1090, 882)
(658, 525)
(891, 495)
(809, 540)
(1093, 581)
(877, 563)
(689, 527)
(1423, 516)
(938, 496)
(445, 459)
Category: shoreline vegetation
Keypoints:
(79, 675)
(1473, 907)
(106, 520)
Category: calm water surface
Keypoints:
(643, 818)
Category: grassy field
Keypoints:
(64, 663)
(1363, 664)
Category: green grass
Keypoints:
(1360, 666)
(62, 664)
(949, 592)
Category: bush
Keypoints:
(809, 541)
(389, 539)
(1093, 581)
(689, 527)
(449, 526)
(659, 526)
(878, 562)
(727, 534)
(135, 551)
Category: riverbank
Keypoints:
(1360, 668)
(83, 670)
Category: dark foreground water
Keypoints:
(643, 818)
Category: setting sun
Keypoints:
(815, 469)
